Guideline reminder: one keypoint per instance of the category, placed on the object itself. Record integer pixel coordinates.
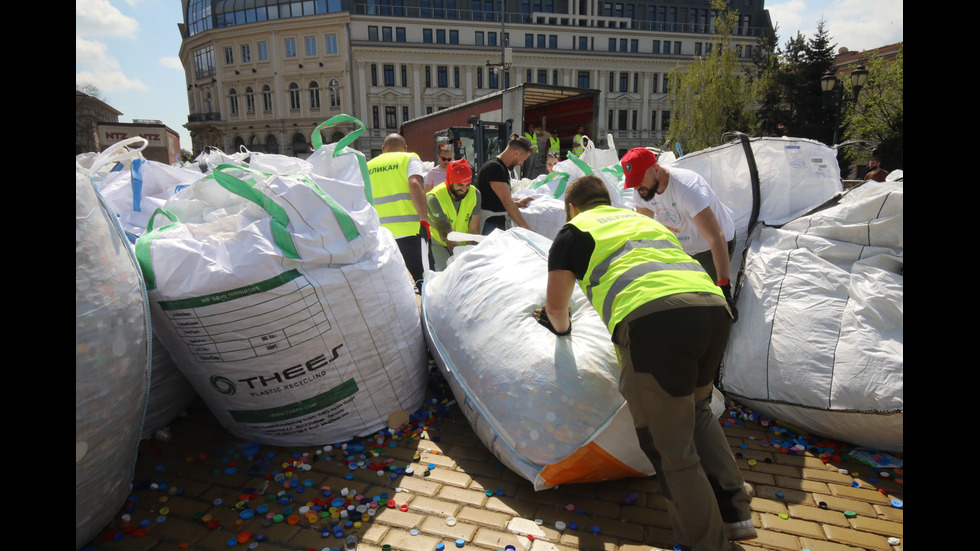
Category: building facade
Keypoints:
(264, 74)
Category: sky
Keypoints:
(128, 49)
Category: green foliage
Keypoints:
(878, 114)
(710, 96)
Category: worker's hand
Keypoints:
(524, 202)
(542, 317)
(726, 289)
(425, 231)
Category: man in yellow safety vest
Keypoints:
(399, 198)
(453, 206)
(670, 324)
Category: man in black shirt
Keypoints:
(493, 181)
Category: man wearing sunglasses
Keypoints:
(437, 175)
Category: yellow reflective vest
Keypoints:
(392, 200)
(458, 221)
(636, 260)
(554, 146)
(577, 147)
(534, 141)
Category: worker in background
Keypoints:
(437, 175)
(577, 146)
(682, 200)
(875, 172)
(539, 138)
(670, 325)
(399, 198)
(554, 145)
(452, 206)
(493, 181)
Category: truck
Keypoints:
(479, 129)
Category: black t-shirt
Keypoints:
(571, 250)
(493, 170)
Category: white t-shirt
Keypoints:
(686, 195)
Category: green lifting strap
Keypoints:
(143, 254)
(317, 141)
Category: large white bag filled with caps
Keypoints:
(112, 365)
(287, 306)
(820, 333)
(547, 407)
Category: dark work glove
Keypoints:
(727, 291)
(542, 317)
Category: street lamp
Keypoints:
(828, 82)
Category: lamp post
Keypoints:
(828, 83)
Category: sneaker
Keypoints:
(742, 530)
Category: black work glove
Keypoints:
(542, 317)
(727, 291)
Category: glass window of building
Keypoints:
(334, 93)
(246, 53)
(249, 100)
(229, 56)
(400, 34)
(263, 51)
(233, 101)
(583, 79)
(290, 47)
(373, 33)
(310, 43)
(389, 75)
(294, 96)
(314, 95)
(443, 75)
(330, 41)
(266, 98)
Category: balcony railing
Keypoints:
(203, 117)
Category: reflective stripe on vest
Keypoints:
(392, 200)
(635, 260)
(534, 141)
(577, 147)
(554, 146)
(457, 221)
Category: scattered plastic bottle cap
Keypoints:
(573, 525)
(500, 491)
(595, 529)
(440, 546)
(894, 541)
(414, 531)
(510, 548)
(559, 525)
(451, 521)
(460, 542)
(850, 514)
(538, 521)
(897, 503)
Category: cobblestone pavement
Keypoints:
(198, 490)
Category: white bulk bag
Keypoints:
(286, 305)
(819, 338)
(548, 407)
(112, 349)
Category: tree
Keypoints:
(711, 97)
(767, 76)
(809, 113)
(878, 114)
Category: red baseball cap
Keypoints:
(459, 172)
(635, 163)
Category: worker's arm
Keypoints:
(644, 212)
(711, 230)
(503, 192)
(475, 224)
(416, 190)
(561, 283)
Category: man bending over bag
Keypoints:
(670, 324)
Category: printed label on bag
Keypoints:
(264, 342)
